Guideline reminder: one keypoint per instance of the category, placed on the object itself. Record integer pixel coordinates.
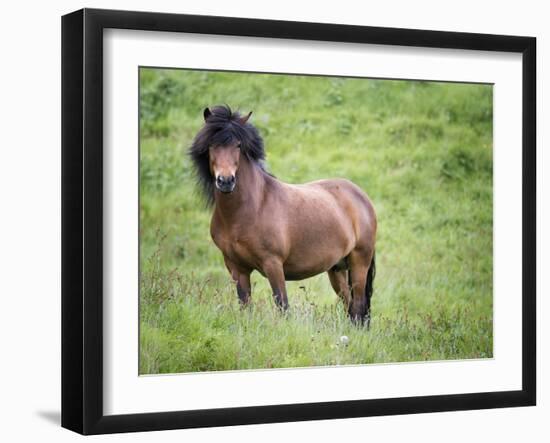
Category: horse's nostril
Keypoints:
(225, 181)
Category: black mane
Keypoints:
(222, 127)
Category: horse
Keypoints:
(283, 231)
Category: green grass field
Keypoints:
(423, 153)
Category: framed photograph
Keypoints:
(268, 221)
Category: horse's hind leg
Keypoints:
(359, 310)
(339, 281)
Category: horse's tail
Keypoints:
(369, 288)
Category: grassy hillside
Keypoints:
(423, 153)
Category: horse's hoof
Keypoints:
(244, 306)
(360, 320)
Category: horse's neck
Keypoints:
(247, 197)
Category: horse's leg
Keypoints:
(243, 288)
(359, 309)
(273, 270)
(339, 281)
(242, 279)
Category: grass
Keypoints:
(423, 153)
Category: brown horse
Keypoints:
(284, 231)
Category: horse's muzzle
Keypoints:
(225, 184)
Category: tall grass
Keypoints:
(423, 153)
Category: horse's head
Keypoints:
(224, 141)
(224, 157)
(224, 162)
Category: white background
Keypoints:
(30, 231)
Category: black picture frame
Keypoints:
(82, 220)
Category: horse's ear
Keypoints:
(206, 113)
(244, 119)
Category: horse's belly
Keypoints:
(310, 263)
(321, 244)
(301, 275)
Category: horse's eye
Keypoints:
(239, 145)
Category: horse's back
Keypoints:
(339, 187)
(349, 196)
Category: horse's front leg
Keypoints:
(242, 280)
(273, 270)
(243, 289)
